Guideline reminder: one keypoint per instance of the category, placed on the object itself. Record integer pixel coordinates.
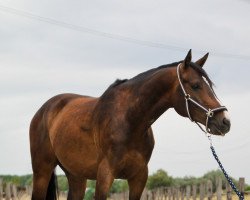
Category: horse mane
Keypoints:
(118, 82)
(145, 74)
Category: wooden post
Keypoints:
(182, 193)
(14, 192)
(165, 190)
(153, 194)
(1, 189)
(169, 193)
(229, 191)
(7, 192)
(157, 194)
(209, 190)
(162, 193)
(219, 188)
(242, 185)
(202, 191)
(144, 194)
(172, 193)
(28, 190)
(188, 192)
(177, 190)
(149, 195)
(194, 193)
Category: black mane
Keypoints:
(145, 74)
(118, 82)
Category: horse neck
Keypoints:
(152, 97)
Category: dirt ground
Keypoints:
(235, 197)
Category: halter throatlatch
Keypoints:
(209, 112)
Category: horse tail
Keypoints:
(52, 191)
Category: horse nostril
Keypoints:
(226, 122)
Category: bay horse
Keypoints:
(111, 137)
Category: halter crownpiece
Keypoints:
(209, 112)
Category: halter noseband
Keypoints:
(209, 112)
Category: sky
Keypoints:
(52, 47)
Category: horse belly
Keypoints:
(77, 153)
(78, 161)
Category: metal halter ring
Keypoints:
(210, 113)
(187, 96)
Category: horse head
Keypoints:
(196, 99)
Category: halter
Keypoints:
(209, 112)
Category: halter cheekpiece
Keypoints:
(209, 112)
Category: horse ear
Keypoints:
(188, 59)
(202, 60)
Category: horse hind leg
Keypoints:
(44, 162)
(44, 185)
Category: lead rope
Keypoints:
(240, 194)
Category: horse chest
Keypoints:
(130, 163)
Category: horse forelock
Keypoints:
(203, 73)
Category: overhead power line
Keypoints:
(87, 30)
(112, 35)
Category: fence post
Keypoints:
(157, 194)
(182, 193)
(7, 192)
(188, 191)
(144, 194)
(218, 188)
(169, 193)
(173, 193)
(1, 189)
(28, 190)
(194, 193)
(242, 185)
(148, 195)
(14, 192)
(153, 194)
(165, 190)
(162, 193)
(209, 190)
(229, 191)
(202, 191)
(177, 189)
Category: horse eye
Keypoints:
(195, 86)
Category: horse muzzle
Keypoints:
(220, 124)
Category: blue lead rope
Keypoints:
(240, 195)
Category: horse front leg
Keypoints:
(137, 184)
(104, 180)
(77, 187)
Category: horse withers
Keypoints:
(111, 137)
